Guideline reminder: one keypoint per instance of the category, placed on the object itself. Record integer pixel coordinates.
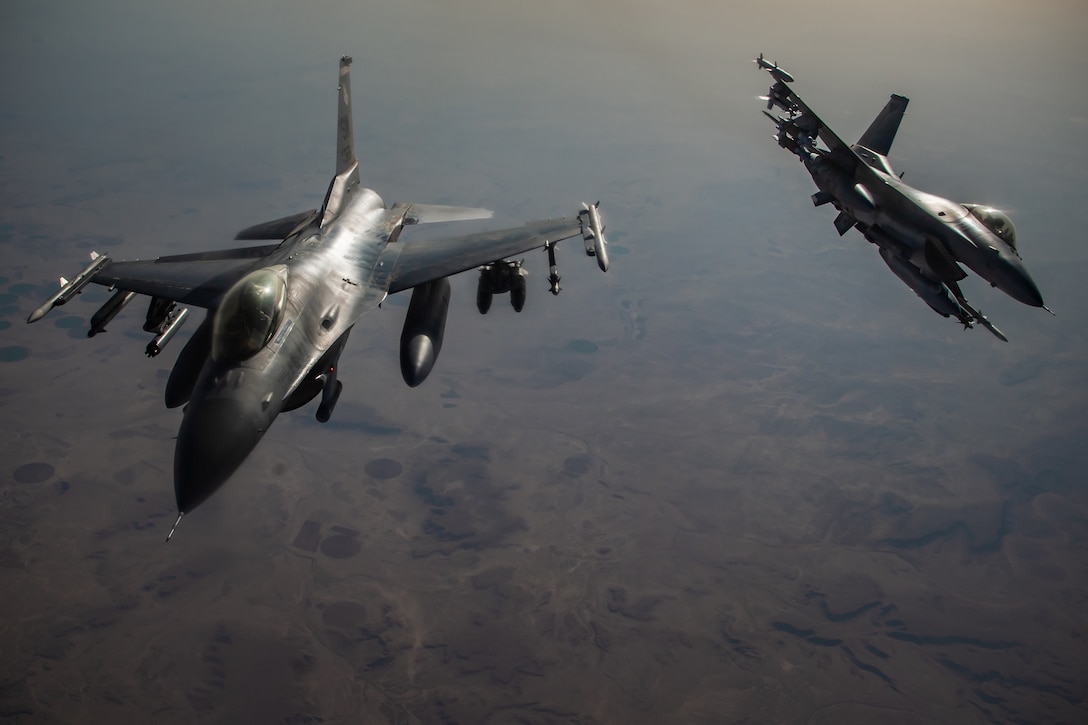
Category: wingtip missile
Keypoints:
(593, 234)
(39, 313)
(779, 74)
(70, 289)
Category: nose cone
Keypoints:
(1013, 279)
(215, 437)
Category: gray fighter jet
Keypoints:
(921, 237)
(278, 316)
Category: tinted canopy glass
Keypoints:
(248, 316)
(996, 221)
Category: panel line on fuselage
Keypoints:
(339, 268)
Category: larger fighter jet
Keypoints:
(278, 316)
(921, 237)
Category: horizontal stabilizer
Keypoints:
(881, 132)
(278, 229)
(430, 213)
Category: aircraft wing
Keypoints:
(808, 122)
(423, 261)
(194, 279)
(801, 126)
(840, 151)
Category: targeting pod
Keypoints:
(68, 290)
(174, 320)
(108, 311)
(593, 234)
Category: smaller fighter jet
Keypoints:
(921, 237)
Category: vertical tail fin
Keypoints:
(347, 165)
(880, 134)
(345, 135)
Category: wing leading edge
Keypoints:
(194, 279)
(800, 128)
(423, 261)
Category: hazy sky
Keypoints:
(140, 129)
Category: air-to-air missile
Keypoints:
(69, 289)
(593, 234)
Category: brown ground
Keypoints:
(539, 534)
(744, 478)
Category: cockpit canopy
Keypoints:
(248, 316)
(996, 221)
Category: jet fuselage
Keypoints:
(332, 276)
(904, 219)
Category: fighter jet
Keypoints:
(921, 237)
(279, 315)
